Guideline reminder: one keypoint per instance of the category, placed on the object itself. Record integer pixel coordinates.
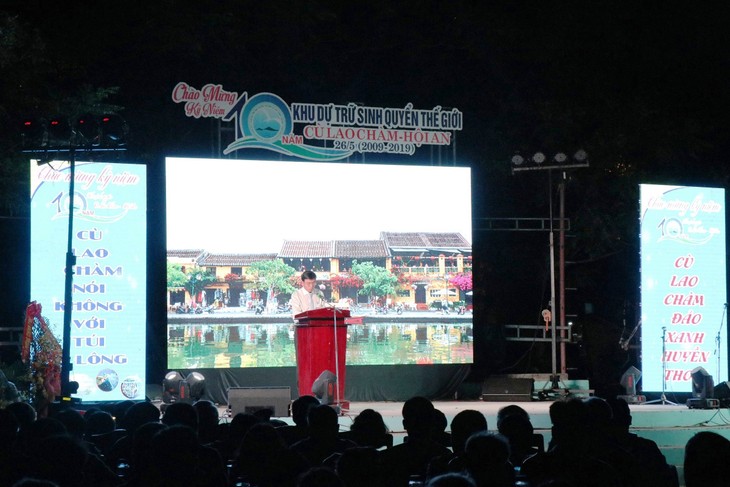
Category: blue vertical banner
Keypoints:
(683, 285)
(109, 239)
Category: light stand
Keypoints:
(663, 400)
(717, 342)
(68, 387)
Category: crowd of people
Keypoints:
(135, 444)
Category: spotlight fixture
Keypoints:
(171, 387)
(59, 132)
(702, 390)
(324, 386)
(580, 155)
(195, 385)
(560, 157)
(88, 131)
(629, 380)
(517, 160)
(538, 158)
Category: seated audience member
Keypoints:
(538, 441)
(599, 418)
(705, 460)
(66, 465)
(23, 412)
(653, 471)
(94, 467)
(509, 410)
(360, 467)
(208, 419)
(135, 416)
(264, 460)
(487, 460)
(412, 458)
(520, 434)
(9, 427)
(181, 413)
(98, 422)
(299, 410)
(323, 440)
(184, 414)
(141, 465)
(464, 424)
(239, 426)
(439, 425)
(569, 459)
(369, 429)
(178, 458)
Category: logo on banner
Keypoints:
(323, 131)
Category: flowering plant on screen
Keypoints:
(462, 281)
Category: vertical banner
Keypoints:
(109, 239)
(683, 285)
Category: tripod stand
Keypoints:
(663, 398)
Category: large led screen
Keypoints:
(683, 286)
(109, 240)
(390, 242)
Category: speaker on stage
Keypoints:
(507, 389)
(722, 394)
(252, 399)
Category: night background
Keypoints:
(640, 86)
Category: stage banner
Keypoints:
(109, 240)
(683, 285)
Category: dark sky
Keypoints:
(525, 74)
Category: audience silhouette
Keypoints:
(190, 445)
(704, 460)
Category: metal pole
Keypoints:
(552, 276)
(561, 323)
(66, 366)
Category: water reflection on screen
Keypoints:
(273, 344)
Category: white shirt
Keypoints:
(300, 301)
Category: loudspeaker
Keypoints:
(506, 389)
(722, 393)
(252, 399)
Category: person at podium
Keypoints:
(307, 297)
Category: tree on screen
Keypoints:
(377, 281)
(273, 276)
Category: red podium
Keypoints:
(321, 336)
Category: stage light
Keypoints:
(171, 387)
(517, 160)
(88, 132)
(629, 379)
(538, 158)
(324, 387)
(195, 383)
(114, 131)
(702, 384)
(34, 133)
(560, 157)
(580, 155)
(59, 133)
